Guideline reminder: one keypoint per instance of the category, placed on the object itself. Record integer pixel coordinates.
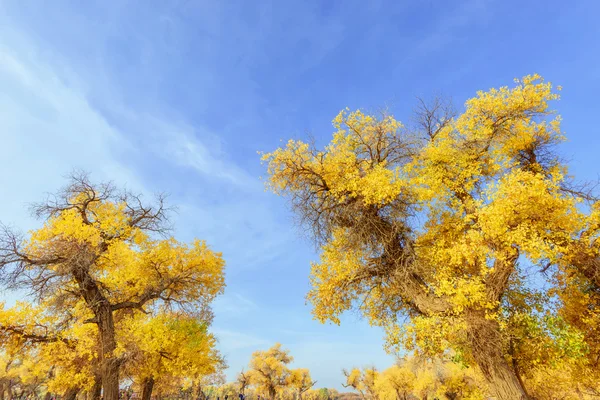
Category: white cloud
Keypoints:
(47, 128)
(232, 340)
(183, 148)
(233, 304)
(292, 332)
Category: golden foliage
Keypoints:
(111, 291)
(440, 224)
(269, 370)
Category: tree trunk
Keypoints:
(47, 396)
(486, 345)
(71, 393)
(200, 393)
(110, 379)
(103, 314)
(109, 363)
(96, 391)
(147, 386)
(10, 390)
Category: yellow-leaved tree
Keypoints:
(243, 381)
(439, 224)
(300, 381)
(395, 383)
(65, 350)
(171, 350)
(269, 370)
(103, 255)
(433, 378)
(363, 381)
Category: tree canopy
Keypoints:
(441, 224)
(101, 270)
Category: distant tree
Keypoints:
(166, 349)
(243, 381)
(207, 385)
(300, 381)
(354, 380)
(269, 370)
(395, 383)
(363, 381)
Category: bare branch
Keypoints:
(431, 117)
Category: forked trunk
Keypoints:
(486, 345)
(103, 314)
(147, 386)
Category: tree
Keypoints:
(20, 375)
(354, 380)
(204, 385)
(369, 378)
(395, 383)
(65, 351)
(98, 253)
(226, 389)
(577, 354)
(431, 223)
(459, 382)
(243, 381)
(426, 384)
(416, 377)
(299, 379)
(269, 370)
(363, 381)
(167, 349)
(327, 394)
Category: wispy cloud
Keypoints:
(185, 149)
(291, 332)
(232, 340)
(448, 27)
(177, 143)
(234, 304)
(47, 128)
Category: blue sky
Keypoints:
(179, 96)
